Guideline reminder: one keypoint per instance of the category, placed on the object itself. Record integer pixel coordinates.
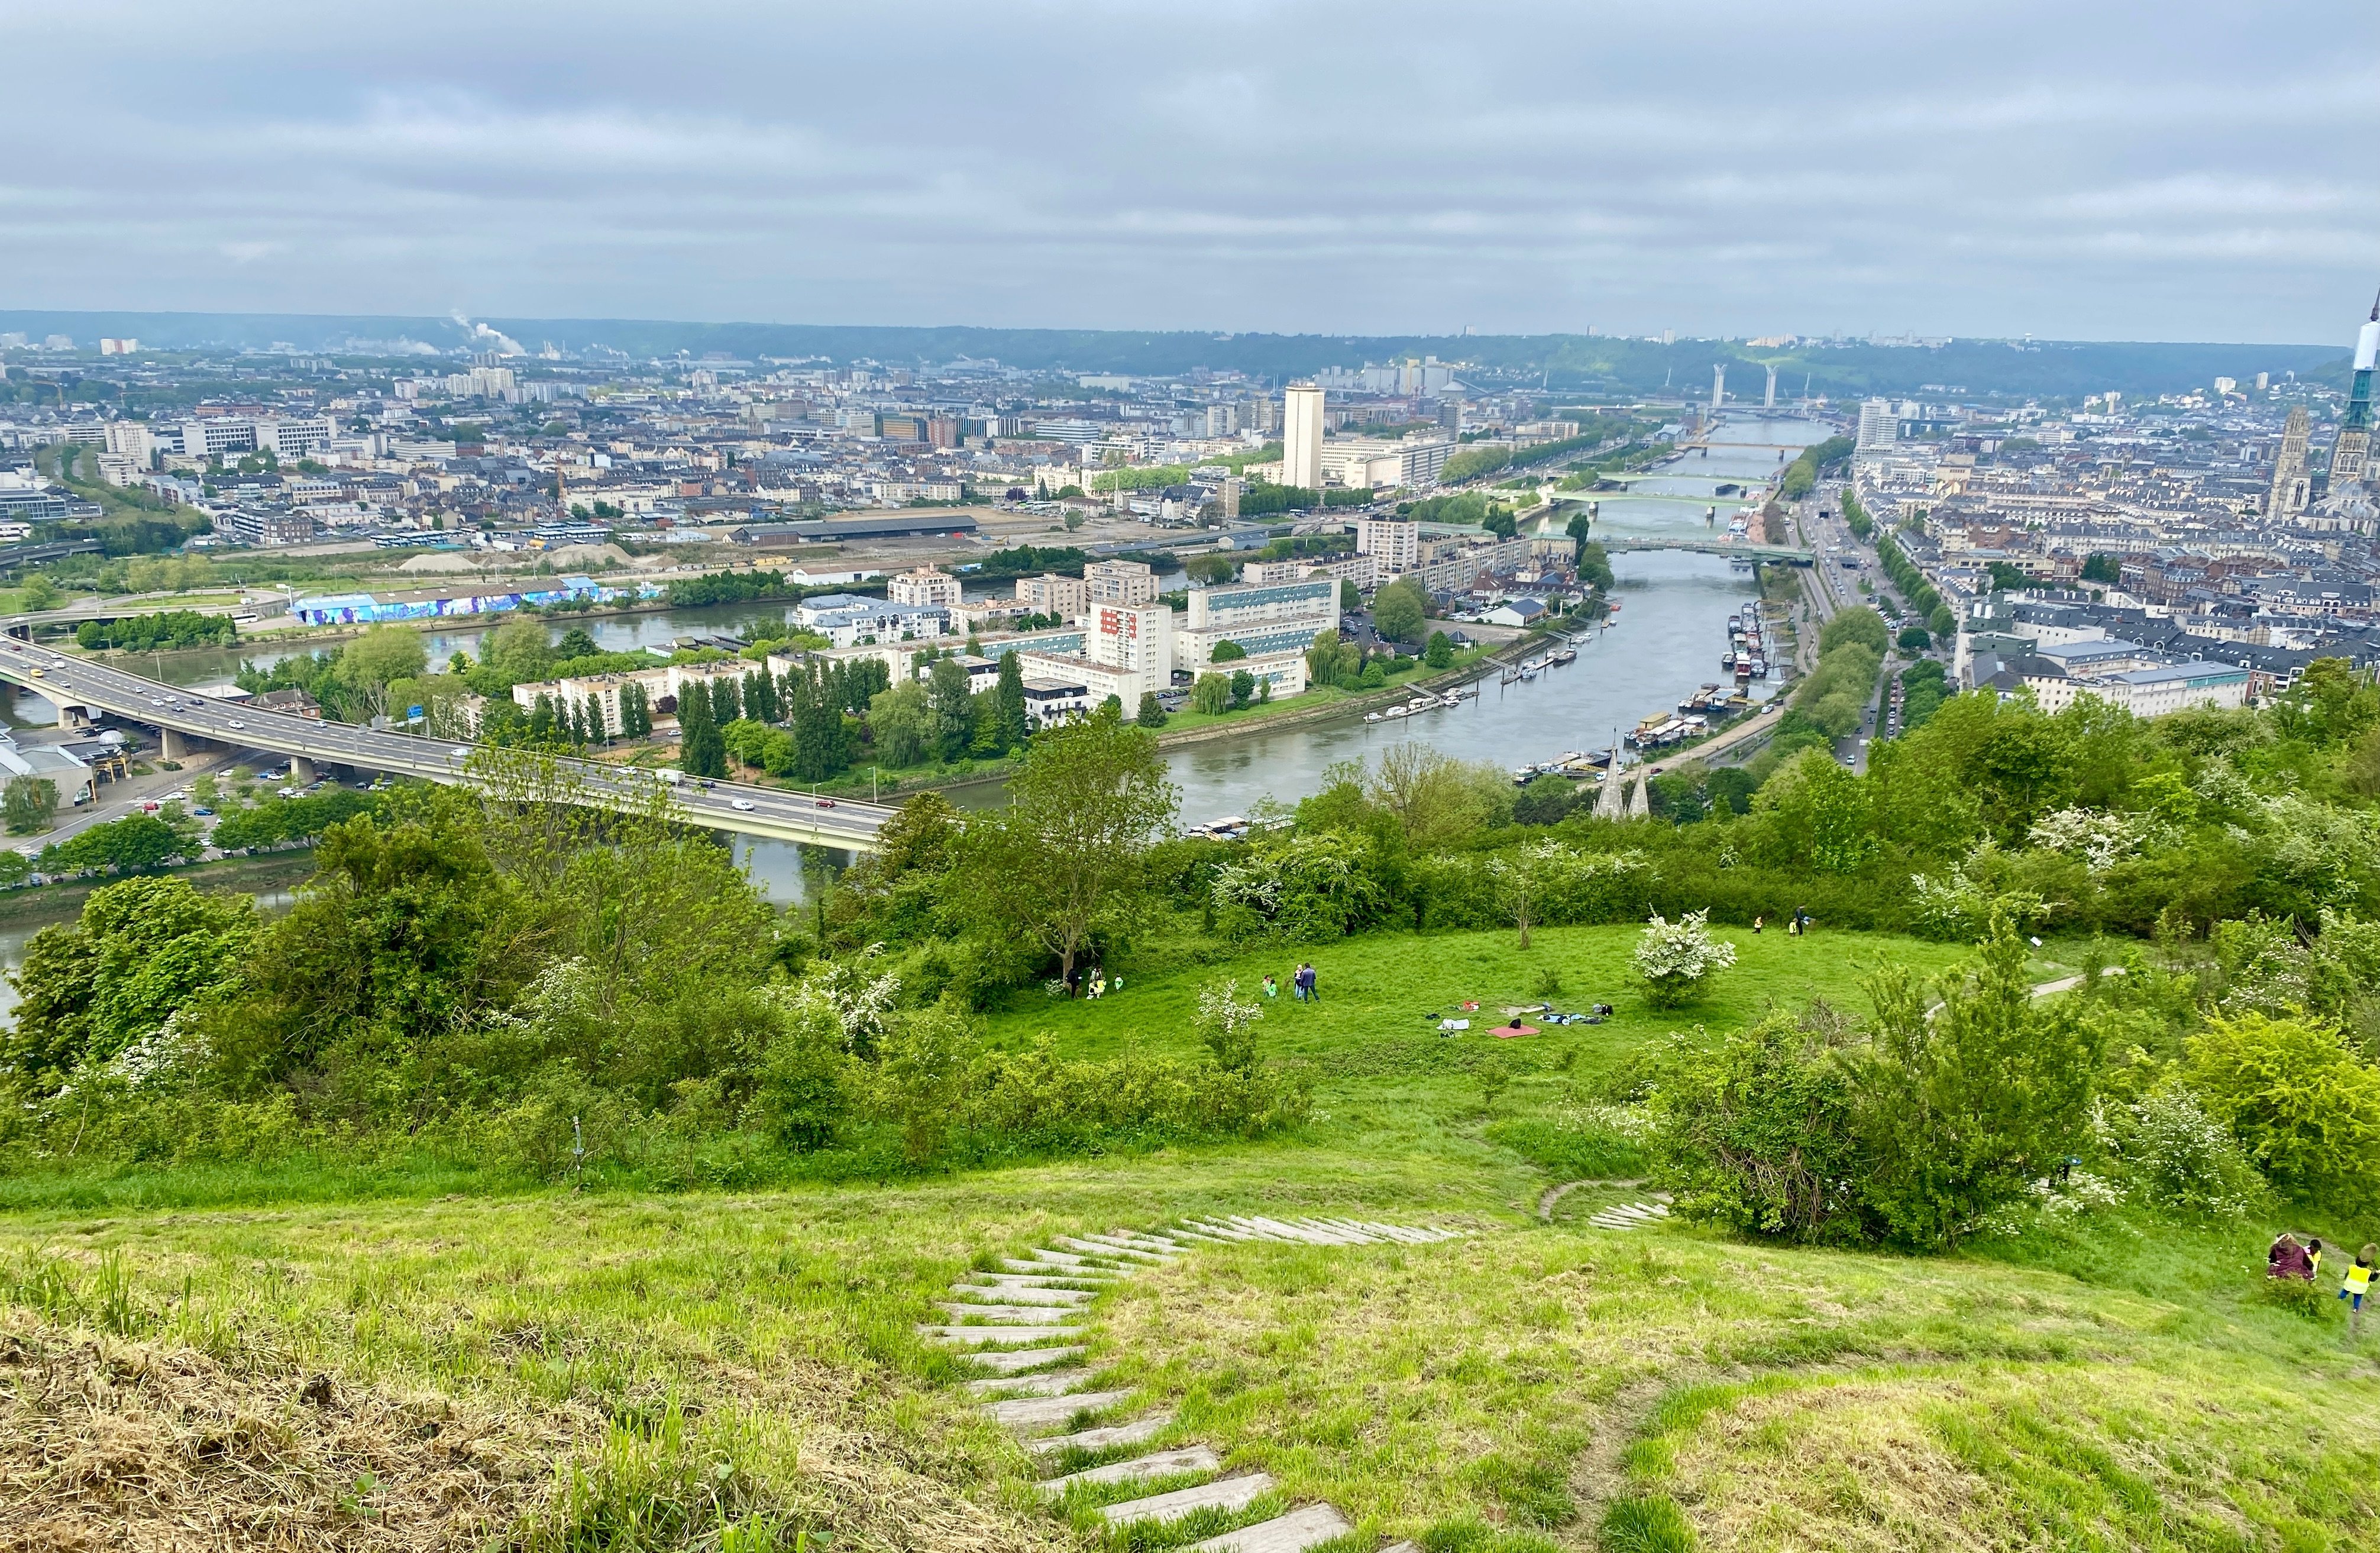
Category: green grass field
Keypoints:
(623, 1364)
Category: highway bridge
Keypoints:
(1713, 544)
(183, 717)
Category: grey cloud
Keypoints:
(2187, 171)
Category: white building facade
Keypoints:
(1301, 436)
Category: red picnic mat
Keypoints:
(1506, 1032)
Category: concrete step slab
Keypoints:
(1062, 1258)
(969, 1336)
(986, 1294)
(1053, 1382)
(1042, 1283)
(1021, 1315)
(1013, 1359)
(1293, 1533)
(1077, 1271)
(1140, 1468)
(1134, 1241)
(1121, 1256)
(1138, 1431)
(1049, 1412)
(1226, 1493)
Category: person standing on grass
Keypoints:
(1271, 986)
(2357, 1284)
(1313, 984)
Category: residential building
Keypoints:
(1120, 582)
(1879, 426)
(1394, 543)
(1301, 436)
(131, 439)
(264, 525)
(1050, 593)
(848, 619)
(924, 586)
(1261, 620)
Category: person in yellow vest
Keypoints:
(2357, 1285)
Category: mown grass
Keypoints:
(2114, 1383)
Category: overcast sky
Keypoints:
(2167, 171)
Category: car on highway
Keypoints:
(743, 803)
(234, 721)
(826, 803)
(39, 674)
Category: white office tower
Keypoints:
(1718, 385)
(1301, 437)
(1878, 427)
(1768, 400)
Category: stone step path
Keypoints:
(1157, 1463)
(1031, 1307)
(1628, 1216)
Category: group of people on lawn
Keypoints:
(2293, 1258)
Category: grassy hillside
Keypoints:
(1512, 1385)
(626, 1370)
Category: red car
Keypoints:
(826, 803)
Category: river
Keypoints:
(1664, 643)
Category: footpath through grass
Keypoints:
(701, 1361)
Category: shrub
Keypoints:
(1676, 959)
(2183, 1158)
(1758, 1132)
(2295, 1093)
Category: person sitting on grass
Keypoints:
(2287, 1259)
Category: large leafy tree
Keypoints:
(142, 951)
(1064, 864)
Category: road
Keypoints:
(731, 806)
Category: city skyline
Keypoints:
(1250, 167)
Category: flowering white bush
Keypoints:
(2101, 840)
(1228, 1025)
(1675, 956)
(1958, 907)
(2185, 1158)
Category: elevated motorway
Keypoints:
(181, 715)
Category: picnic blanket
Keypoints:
(1506, 1032)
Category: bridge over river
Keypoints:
(184, 717)
(1711, 545)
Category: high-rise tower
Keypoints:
(2349, 453)
(2290, 486)
(1301, 435)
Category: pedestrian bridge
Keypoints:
(184, 717)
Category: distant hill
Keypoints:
(1580, 364)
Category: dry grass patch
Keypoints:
(106, 1443)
